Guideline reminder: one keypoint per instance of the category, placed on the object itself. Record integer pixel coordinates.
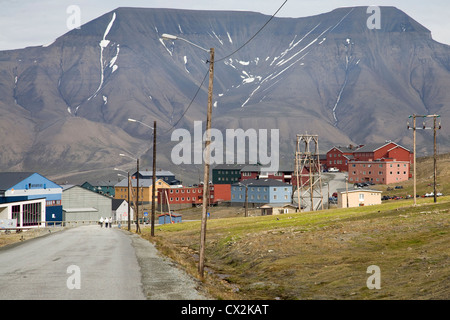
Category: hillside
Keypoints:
(324, 254)
(326, 74)
(321, 255)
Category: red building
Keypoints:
(381, 163)
(184, 197)
(338, 157)
(388, 150)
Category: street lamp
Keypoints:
(201, 262)
(152, 232)
(137, 191)
(128, 200)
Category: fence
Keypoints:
(68, 224)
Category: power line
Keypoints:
(190, 103)
(229, 55)
(248, 41)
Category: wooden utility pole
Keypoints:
(129, 199)
(201, 262)
(434, 160)
(414, 128)
(153, 181)
(138, 230)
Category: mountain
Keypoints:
(65, 106)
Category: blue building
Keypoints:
(22, 186)
(169, 218)
(261, 191)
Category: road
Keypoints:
(90, 262)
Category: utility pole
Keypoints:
(153, 181)
(138, 230)
(129, 186)
(434, 160)
(424, 127)
(201, 263)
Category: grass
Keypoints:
(321, 255)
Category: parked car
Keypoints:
(333, 170)
(398, 187)
(333, 200)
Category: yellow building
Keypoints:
(358, 197)
(145, 189)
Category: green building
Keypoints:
(227, 173)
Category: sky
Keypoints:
(39, 22)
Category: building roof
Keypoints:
(233, 166)
(116, 203)
(262, 183)
(375, 146)
(142, 183)
(158, 173)
(357, 190)
(344, 149)
(10, 179)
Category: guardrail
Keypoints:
(55, 224)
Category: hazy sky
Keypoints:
(39, 22)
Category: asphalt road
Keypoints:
(90, 262)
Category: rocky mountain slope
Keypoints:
(65, 106)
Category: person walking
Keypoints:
(106, 222)
(110, 221)
(101, 222)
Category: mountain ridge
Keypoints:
(328, 74)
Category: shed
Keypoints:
(165, 218)
(358, 197)
(271, 209)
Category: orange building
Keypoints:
(145, 189)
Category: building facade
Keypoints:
(145, 189)
(183, 197)
(20, 214)
(358, 198)
(378, 172)
(338, 157)
(21, 186)
(227, 173)
(120, 210)
(261, 191)
(80, 204)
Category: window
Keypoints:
(274, 197)
(361, 197)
